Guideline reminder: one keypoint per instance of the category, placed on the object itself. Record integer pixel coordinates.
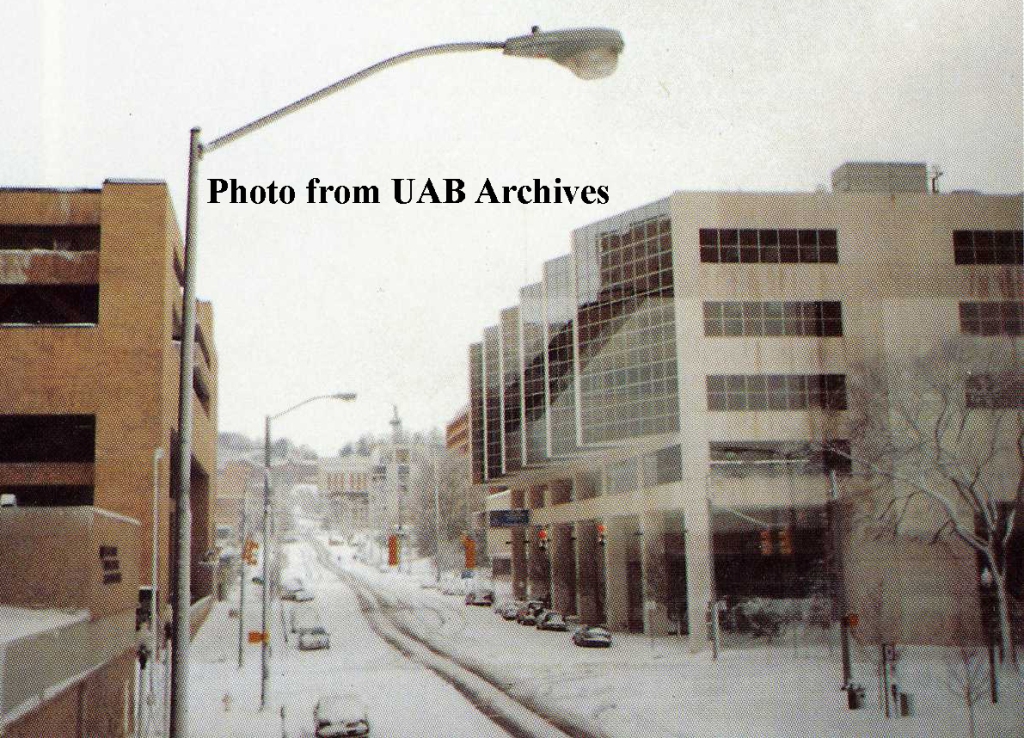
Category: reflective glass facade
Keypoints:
(492, 403)
(512, 392)
(476, 411)
(626, 326)
(531, 326)
(559, 316)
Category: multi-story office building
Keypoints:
(90, 318)
(669, 403)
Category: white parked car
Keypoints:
(314, 639)
(303, 595)
(341, 715)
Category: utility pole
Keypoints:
(242, 553)
(264, 664)
(839, 581)
(437, 524)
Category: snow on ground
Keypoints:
(655, 687)
(404, 698)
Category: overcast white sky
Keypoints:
(384, 299)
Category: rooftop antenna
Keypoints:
(936, 172)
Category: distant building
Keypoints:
(457, 433)
(345, 482)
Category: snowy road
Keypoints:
(404, 698)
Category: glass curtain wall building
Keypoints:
(672, 403)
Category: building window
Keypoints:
(741, 458)
(33, 439)
(773, 319)
(49, 304)
(776, 391)
(995, 392)
(768, 246)
(50, 238)
(988, 247)
(992, 318)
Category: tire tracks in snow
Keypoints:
(519, 716)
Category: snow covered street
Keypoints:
(404, 698)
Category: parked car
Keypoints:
(289, 587)
(341, 715)
(313, 639)
(303, 595)
(528, 613)
(483, 597)
(592, 635)
(509, 609)
(551, 620)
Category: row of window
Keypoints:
(766, 457)
(773, 319)
(50, 238)
(995, 392)
(761, 246)
(988, 247)
(776, 391)
(992, 318)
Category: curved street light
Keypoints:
(590, 53)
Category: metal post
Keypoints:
(265, 666)
(183, 521)
(839, 580)
(242, 539)
(154, 605)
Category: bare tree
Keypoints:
(947, 428)
(457, 498)
(965, 678)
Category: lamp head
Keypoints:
(590, 53)
(343, 396)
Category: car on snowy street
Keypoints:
(484, 597)
(303, 595)
(508, 609)
(314, 639)
(528, 613)
(551, 620)
(341, 715)
(592, 635)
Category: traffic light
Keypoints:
(470, 546)
(393, 551)
(766, 543)
(542, 539)
(249, 552)
(601, 531)
(785, 542)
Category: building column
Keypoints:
(589, 574)
(618, 532)
(563, 569)
(655, 574)
(699, 571)
(538, 565)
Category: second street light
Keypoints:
(264, 635)
(590, 53)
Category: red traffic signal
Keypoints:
(766, 543)
(785, 542)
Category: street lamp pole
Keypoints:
(264, 633)
(590, 53)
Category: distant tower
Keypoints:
(396, 426)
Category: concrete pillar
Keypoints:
(538, 566)
(589, 573)
(519, 572)
(619, 532)
(699, 571)
(563, 569)
(560, 492)
(655, 581)
(517, 535)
